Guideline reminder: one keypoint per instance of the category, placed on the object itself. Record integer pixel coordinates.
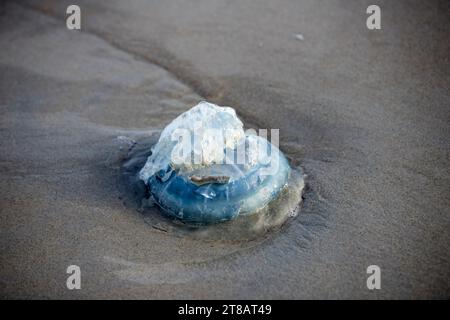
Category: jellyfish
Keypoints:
(206, 169)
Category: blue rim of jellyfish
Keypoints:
(210, 203)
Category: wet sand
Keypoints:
(364, 113)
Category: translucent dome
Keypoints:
(221, 173)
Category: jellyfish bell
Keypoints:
(206, 169)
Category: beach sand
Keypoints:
(364, 113)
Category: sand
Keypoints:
(364, 113)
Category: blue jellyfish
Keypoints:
(206, 169)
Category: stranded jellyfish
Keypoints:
(206, 169)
